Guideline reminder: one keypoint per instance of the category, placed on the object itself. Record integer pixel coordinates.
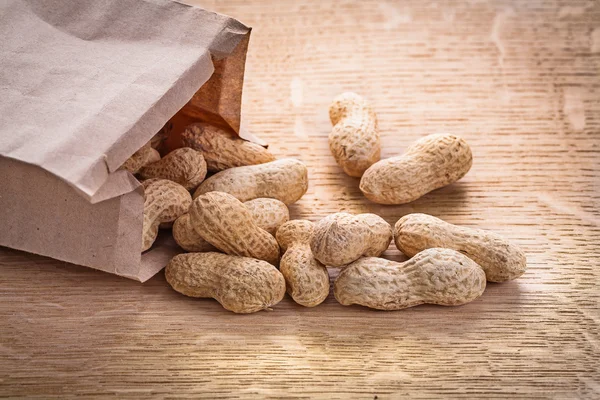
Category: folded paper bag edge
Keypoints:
(89, 179)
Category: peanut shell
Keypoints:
(354, 140)
(307, 280)
(223, 150)
(242, 285)
(228, 225)
(268, 214)
(185, 166)
(430, 163)
(341, 238)
(164, 202)
(285, 180)
(145, 155)
(434, 276)
(501, 260)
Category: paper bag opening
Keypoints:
(87, 84)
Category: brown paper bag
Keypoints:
(84, 85)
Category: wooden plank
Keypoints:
(518, 80)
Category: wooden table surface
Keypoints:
(519, 80)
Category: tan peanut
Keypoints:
(268, 214)
(434, 276)
(187, 238)
(161, 136)
(501, 260)
(306, 278)
(146, 183)
(145, 155)
(285, 180)
(242, 285)
(164, 202)
(185, 166)
(430, 163)
(354, 139)
(341, 238)
(223, 150)
(228, 225)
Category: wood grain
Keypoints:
(520, 81)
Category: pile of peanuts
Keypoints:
(243, 251)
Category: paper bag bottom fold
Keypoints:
(42, 214)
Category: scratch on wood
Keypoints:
(499, 20)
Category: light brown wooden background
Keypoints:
(519, 80)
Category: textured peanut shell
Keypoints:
(161, 136)
(185, 166)
(269, 214)
(306, 278)
(354, 140)
(228, 225)
(221, 149)
(501, 260)
(242, 285)
(187, 238)
(164, 202)
(430, 163)
(434, 276)
(145, 155)
(285, 180)
(341, 238)
(146, 183)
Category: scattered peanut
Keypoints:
(223, 150)
(285, 180)
(242, 285)
(228, 225)
(354, 139)
(185, 166)
(341, 238)
(501, 260)
(430, 163)
(143, 156)
(434, 276)
(268, 214)
(306, 278)
(164, 202)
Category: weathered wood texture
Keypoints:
(519, 80)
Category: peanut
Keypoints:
(228, 225)
(164, 202)
(145, 155)
(306, 278)
(434, 276)
(185, 166)
(500, 259)
(187, 238)
(161, 136)
(354, 139)
(242, 285)
(341, 238)
(268, 214)
(430, 163)
(285, 180)
(222, 150)
(146, 183)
